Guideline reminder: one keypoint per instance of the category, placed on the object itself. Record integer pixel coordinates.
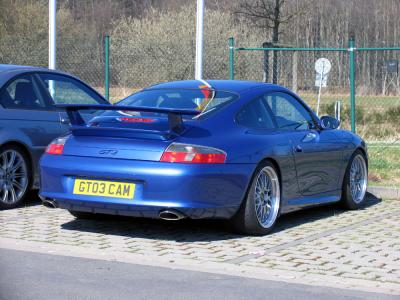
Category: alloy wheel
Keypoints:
(267, 197)
(358, 178)
(13, 177)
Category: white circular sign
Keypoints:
(323, 66)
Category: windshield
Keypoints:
(203, 100)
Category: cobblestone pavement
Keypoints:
(325, 246)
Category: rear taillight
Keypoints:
(56, 147)
(193, 154)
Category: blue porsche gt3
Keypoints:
(239, 150)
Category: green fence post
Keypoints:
(107, 67)
(352, 50)
(231, 58)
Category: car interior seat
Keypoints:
(25, 95)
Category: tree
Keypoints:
(269, 15)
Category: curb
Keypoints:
(385, 192)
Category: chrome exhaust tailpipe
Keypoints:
(50, 203)
(171, 215)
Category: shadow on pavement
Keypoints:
(319, 212)
(31, 199)
(196, 230)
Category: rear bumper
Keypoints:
(198, 191)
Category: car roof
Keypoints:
(15, 69)
(225, 85)
(9, 71)
(5, 68)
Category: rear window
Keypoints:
(203, 100)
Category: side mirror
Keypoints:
(327, 122)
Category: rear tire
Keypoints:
(261, 207)
(15, 176)
(355, 181)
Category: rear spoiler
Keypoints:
(174, 115)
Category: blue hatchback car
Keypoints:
(245, 151)
(30, 120)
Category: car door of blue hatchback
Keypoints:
(28, 117)
(318, 154)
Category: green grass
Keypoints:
(364, 101)
(384, 164)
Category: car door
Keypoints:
(264, 141)
(317, 153)
(26, 116)
(63, 89)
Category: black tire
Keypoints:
(348, 201)
(6, 177)
(246, 220)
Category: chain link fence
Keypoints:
(377, 90)
(376, 83)
(84, 60)
(132, 67)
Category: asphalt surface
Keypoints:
(28, 275)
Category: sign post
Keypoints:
(322, 67)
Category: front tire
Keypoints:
(355, 181)
(261, 207)
(15, 176)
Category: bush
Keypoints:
(161, 47)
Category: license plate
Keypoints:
(104, 188)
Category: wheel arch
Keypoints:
(348, 162)
(241, 220)
(276, 166)
(364, 152)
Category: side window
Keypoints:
(65, 90)
(289, 113)
(22, 93)
(255, 115)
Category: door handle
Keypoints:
(298, 148)
(311, 136)
(65, 121)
